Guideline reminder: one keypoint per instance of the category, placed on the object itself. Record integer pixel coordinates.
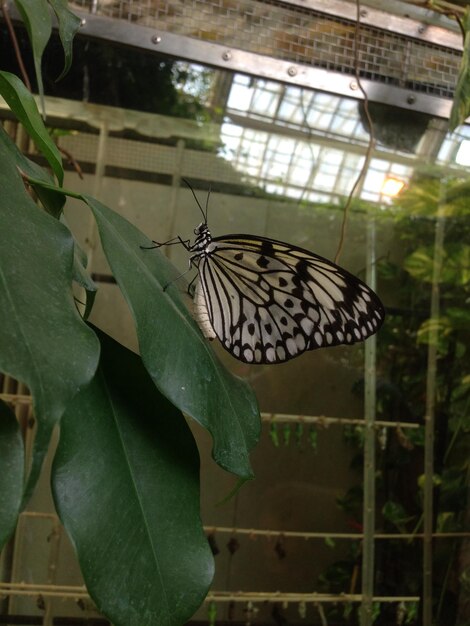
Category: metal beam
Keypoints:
(232, 59)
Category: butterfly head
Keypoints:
(201, 229)
(203, 237)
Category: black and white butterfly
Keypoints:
(269, 301)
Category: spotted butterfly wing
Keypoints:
(268, 301)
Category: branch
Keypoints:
(71, 159)
(14, 40)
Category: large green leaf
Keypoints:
(177, 356)
(43, 340)
(37, 19)
(461, 104)
(23, 105)
(126, 486)
(174, 351)
(11, 472)
(52, 201)
(68, 27)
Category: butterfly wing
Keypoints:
(268, 301)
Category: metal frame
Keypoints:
(121, 31)
(235, 60)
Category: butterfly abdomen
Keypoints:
(201, 314)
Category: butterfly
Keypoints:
(268, 301)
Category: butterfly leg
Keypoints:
(177, 278)
(192, 262)
(191, 288)
(171, 242)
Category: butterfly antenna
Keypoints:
(207, 201)
(197, 201)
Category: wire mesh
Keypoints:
(296, 34)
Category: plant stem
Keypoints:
(14, 41)
(362, 174)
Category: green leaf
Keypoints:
(69, 24)
(396, 514)
(352, 500)
(420, 264)
(455, 268)
(436, 480)
(11, 472)
(429, 194)
(459, 318)
(177, 356)
(37, 19)
(375, 611)
(23, 105)
(461, 104)
(446, 522)
(412, 611)
(83, 278)
(43, 341)
(126, 486)
(434, 331)
(51, 201)
(415, 435)
(423, 196)
(465, 380)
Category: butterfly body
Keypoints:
(268, 301)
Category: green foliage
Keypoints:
(352, 501)
(40, 327)
(430, 193)
(401, 396)
(22, 103)
(192, 378)
(69, 24)
(126, 467)
(36, 15)
(376, 607)
(274, 434)
(431, 196)
(411, 612)
(395, 513)
(337, 577)
(37, 19)
(11, 471)
(461, 105)
(455, 264)
(354, 435)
